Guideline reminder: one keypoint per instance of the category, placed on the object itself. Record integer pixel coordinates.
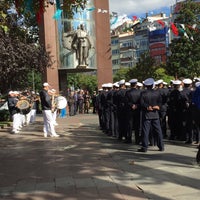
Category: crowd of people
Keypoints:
(81, 101)
(24, 105)
(143, 113)
(149, 110)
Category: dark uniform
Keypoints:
(164, 92)
(122, 111)
(175, 112)
(186, 94)
(151, 101)
(133, 112)
(109, 111)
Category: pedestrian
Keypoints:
(186, 94)
(151, 102)
(94, 99)
(164, 92)
(175, 111)
(14, 112)
(133, 111)
(122, 110)
(47, 108)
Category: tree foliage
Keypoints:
(184, 60)
(19, 54)
(145, 68)
(83, 81)
(120, 74)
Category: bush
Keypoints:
(4, 115)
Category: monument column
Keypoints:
(48, 37)
(103, 43)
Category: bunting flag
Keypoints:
(174, 29)
(151, 27)
(134, 18)
(114, 21)
(182, 30)
(40, 11)
(102, 10)
(58, 12)
(90, 9)
(161, 23)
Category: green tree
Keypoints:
(120, 74)
(19, 54)
(83, 81)
(145, 68)
(184, 60)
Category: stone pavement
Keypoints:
(86, 164)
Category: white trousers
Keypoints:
(16, 121)
(48, 123)
(33, 115)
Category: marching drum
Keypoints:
(24, 106)
(61, 102)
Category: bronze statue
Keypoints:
(81, 44)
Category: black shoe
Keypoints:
(162, 149)
(128, 141)
(188, 142)
(142, 150)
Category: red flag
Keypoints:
(134, 18)
(161, 23)
(174, 29)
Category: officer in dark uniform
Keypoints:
(99, 108)
(115, 117)
(121, 110)
(186, 94)
(164, 92)
(133, 114)
(151, 102)
(109, 110)
(175, 111)
(103, 106)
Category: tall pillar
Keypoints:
(48, 37)
(103, 43)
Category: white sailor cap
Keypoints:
(11, 92)
(187, 81)
(100, 89)
(53, 90)
(196, 79)
(149, 81)
(132, 81)
(197, 84)
(116, 84)
(109, 85)
(159, 81)
(45, 84)
(104, 85)
(139, 84)
(127, 84)
(122, 82)
(164, 83)
(15, 92)
(176, 82)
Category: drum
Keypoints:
(61, 102)
(23, 106)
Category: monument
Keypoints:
(81, 44)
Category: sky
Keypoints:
(140, 7)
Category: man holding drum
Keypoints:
(46, 104)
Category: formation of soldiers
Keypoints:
(152, 111)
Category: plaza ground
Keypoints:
(84, 163)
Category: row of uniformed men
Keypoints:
(122, 110)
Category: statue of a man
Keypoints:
(81, 44)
